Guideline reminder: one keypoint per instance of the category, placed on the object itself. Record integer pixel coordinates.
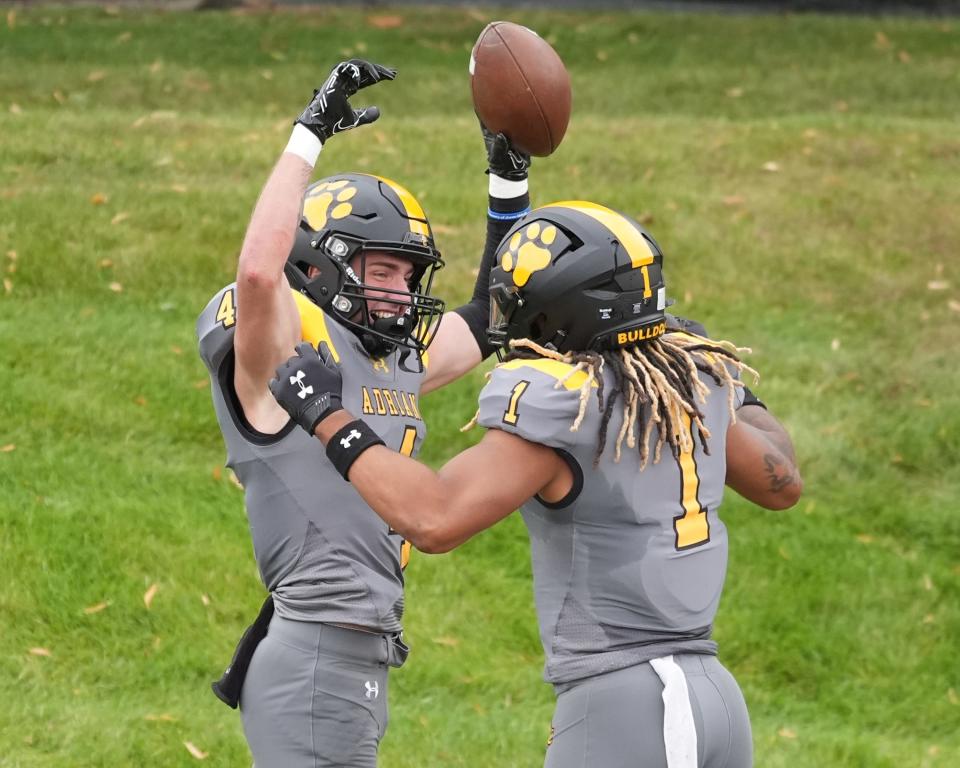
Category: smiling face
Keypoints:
(385, 271)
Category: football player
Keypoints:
(347, 262)
(614, 429)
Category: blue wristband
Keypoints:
(507, 216)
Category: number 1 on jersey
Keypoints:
(692, 527)
(510, 415)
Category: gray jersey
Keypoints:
(632, 569)
(321, 550)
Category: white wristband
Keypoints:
(506, 189)
(304, 143)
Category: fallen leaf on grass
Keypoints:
(96, 76)
(122, 216)
(787, 733)
(40, 652)
(8, 448)
(91, 609)
(449, 642)
(116, 287)
(11, 18)
(15, 109)
(195, 750)
(181, 188)
(929, 619)
(864, 538)
(841, 106)
(938, 285)
(952, 696)
(927, 583)
(385, 22)
(176, 350)
(140, 400)
(105, 263)
(954, 305)
(202, 384)
(217, 473)
(150, 594)
(904, 57)
(7, 285)
(881, 42)
(12, 255)
(123, 38)
(733, 200)
(771, 167)
(165, 718)
(98, 199)
(835, 345)
(734, 93)
(205, 599)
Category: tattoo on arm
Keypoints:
(779, 472)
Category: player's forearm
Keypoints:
(761, 463)
(273, 225)
(409, 496)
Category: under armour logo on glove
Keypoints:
(345, 442)
(309, 404)
(304, 390)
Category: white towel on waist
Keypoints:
(679, 730)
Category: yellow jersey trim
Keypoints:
(554, 368)
(313, 324)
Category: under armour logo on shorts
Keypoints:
(373, 689)
(345, 442)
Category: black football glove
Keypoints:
(504, 160)
(309, 385)
(330, 112)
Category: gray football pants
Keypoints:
(316, 696)
(616, 720)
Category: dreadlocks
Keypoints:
(657, 383)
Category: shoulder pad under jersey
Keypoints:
(536, 399)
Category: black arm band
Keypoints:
(476, 313)
(348, 443)
(751, 399)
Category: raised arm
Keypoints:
(761, 463)
(268, 325)
(461, 340)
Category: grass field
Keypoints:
(801, 174)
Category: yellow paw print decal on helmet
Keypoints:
(317, 206)
(525, 255)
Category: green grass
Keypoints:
(801, 174)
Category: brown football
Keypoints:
(520, 87)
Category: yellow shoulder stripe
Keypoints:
(553, 368)
(313, 323)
